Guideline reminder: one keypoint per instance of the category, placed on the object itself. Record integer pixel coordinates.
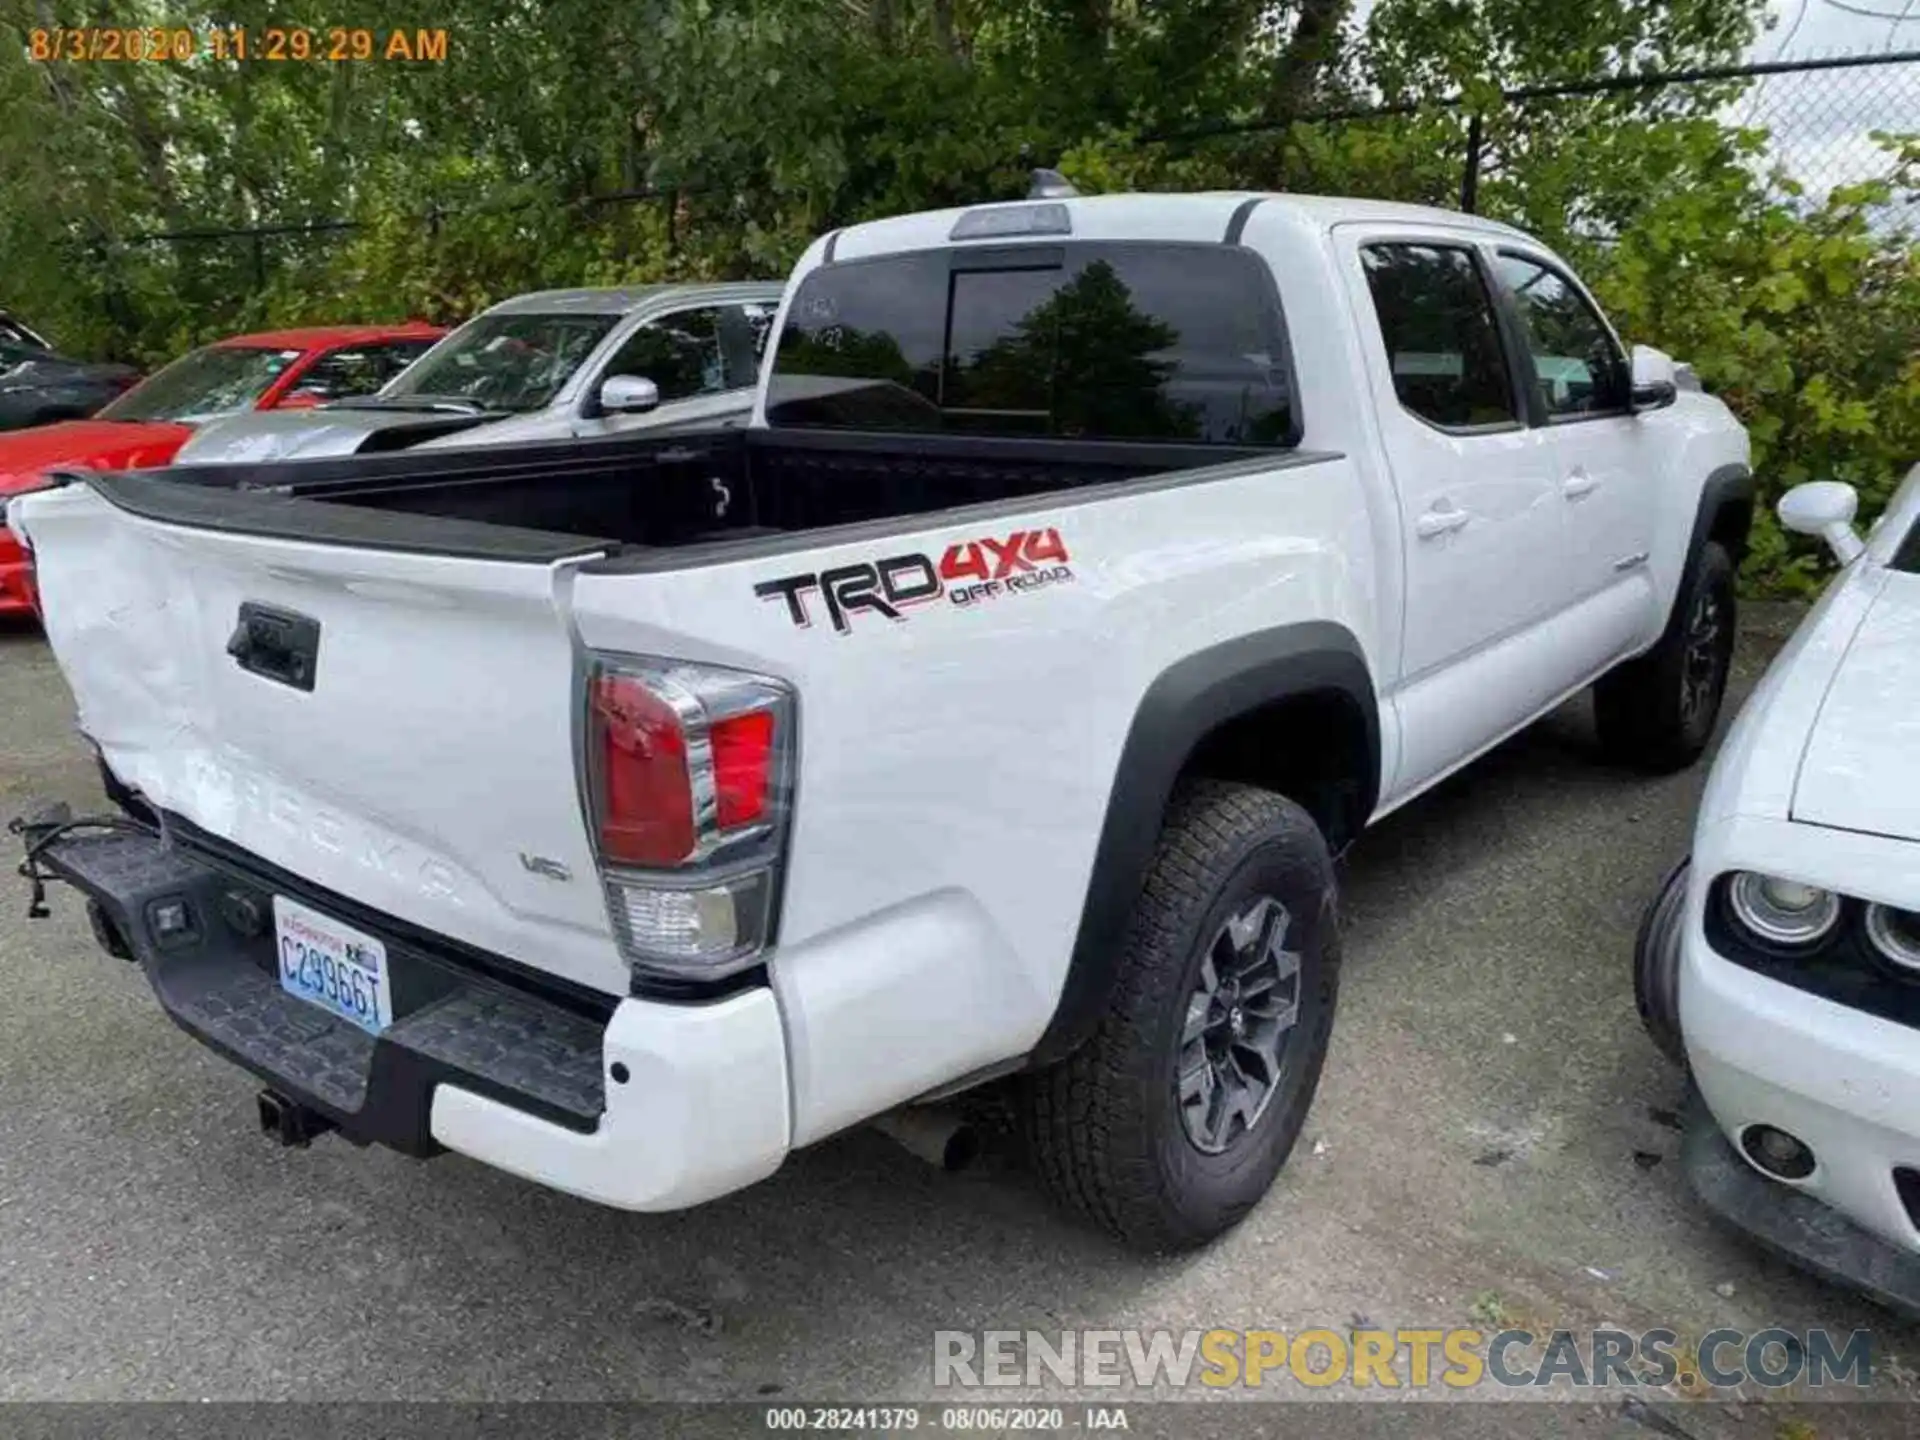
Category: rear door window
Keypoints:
(1442, 339)
(1143, 342)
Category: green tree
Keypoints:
(749, 126)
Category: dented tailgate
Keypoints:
(393, 725)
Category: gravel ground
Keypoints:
(1491, 1145)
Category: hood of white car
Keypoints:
(1861, 769)
(263, 436)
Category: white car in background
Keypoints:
(1782, 963)
(554, 365)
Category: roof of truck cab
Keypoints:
(624, 299)
(1197, 217)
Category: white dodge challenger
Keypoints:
(1781, 962)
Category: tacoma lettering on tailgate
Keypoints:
(224, 793)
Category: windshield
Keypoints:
(199, 386)
(1091, 341)
(504, 362)
(1907, 558)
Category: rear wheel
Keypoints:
(1657, 712)
(1171, 1121)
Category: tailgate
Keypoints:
(421, 761)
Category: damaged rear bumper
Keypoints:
(639, 1104)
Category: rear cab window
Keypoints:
(1126, 341)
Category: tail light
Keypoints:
(29, 587)
(689, 778)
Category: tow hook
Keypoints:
(290, 1122)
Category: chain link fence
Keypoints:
(1820, 123)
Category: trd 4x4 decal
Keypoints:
(967, 574)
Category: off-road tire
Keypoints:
(1104, 1125)
(1640, 708)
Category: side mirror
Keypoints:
(1654, 378)
(1824, 508)
(300, 399)
(628, 395)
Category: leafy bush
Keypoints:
(1805, 319)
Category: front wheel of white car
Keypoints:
(1170, 1122)
(1657, 712)
(1656, 964)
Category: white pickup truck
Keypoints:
(628, 815)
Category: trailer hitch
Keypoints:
(289, 1122)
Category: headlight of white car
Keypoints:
(1786, 918)
(1896, 935)
(1782, 912)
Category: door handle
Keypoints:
(1439, 521)
(1577, 484)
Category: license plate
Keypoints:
(333, 966)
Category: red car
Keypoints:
(278, 369)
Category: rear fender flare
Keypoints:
(1184, 704)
